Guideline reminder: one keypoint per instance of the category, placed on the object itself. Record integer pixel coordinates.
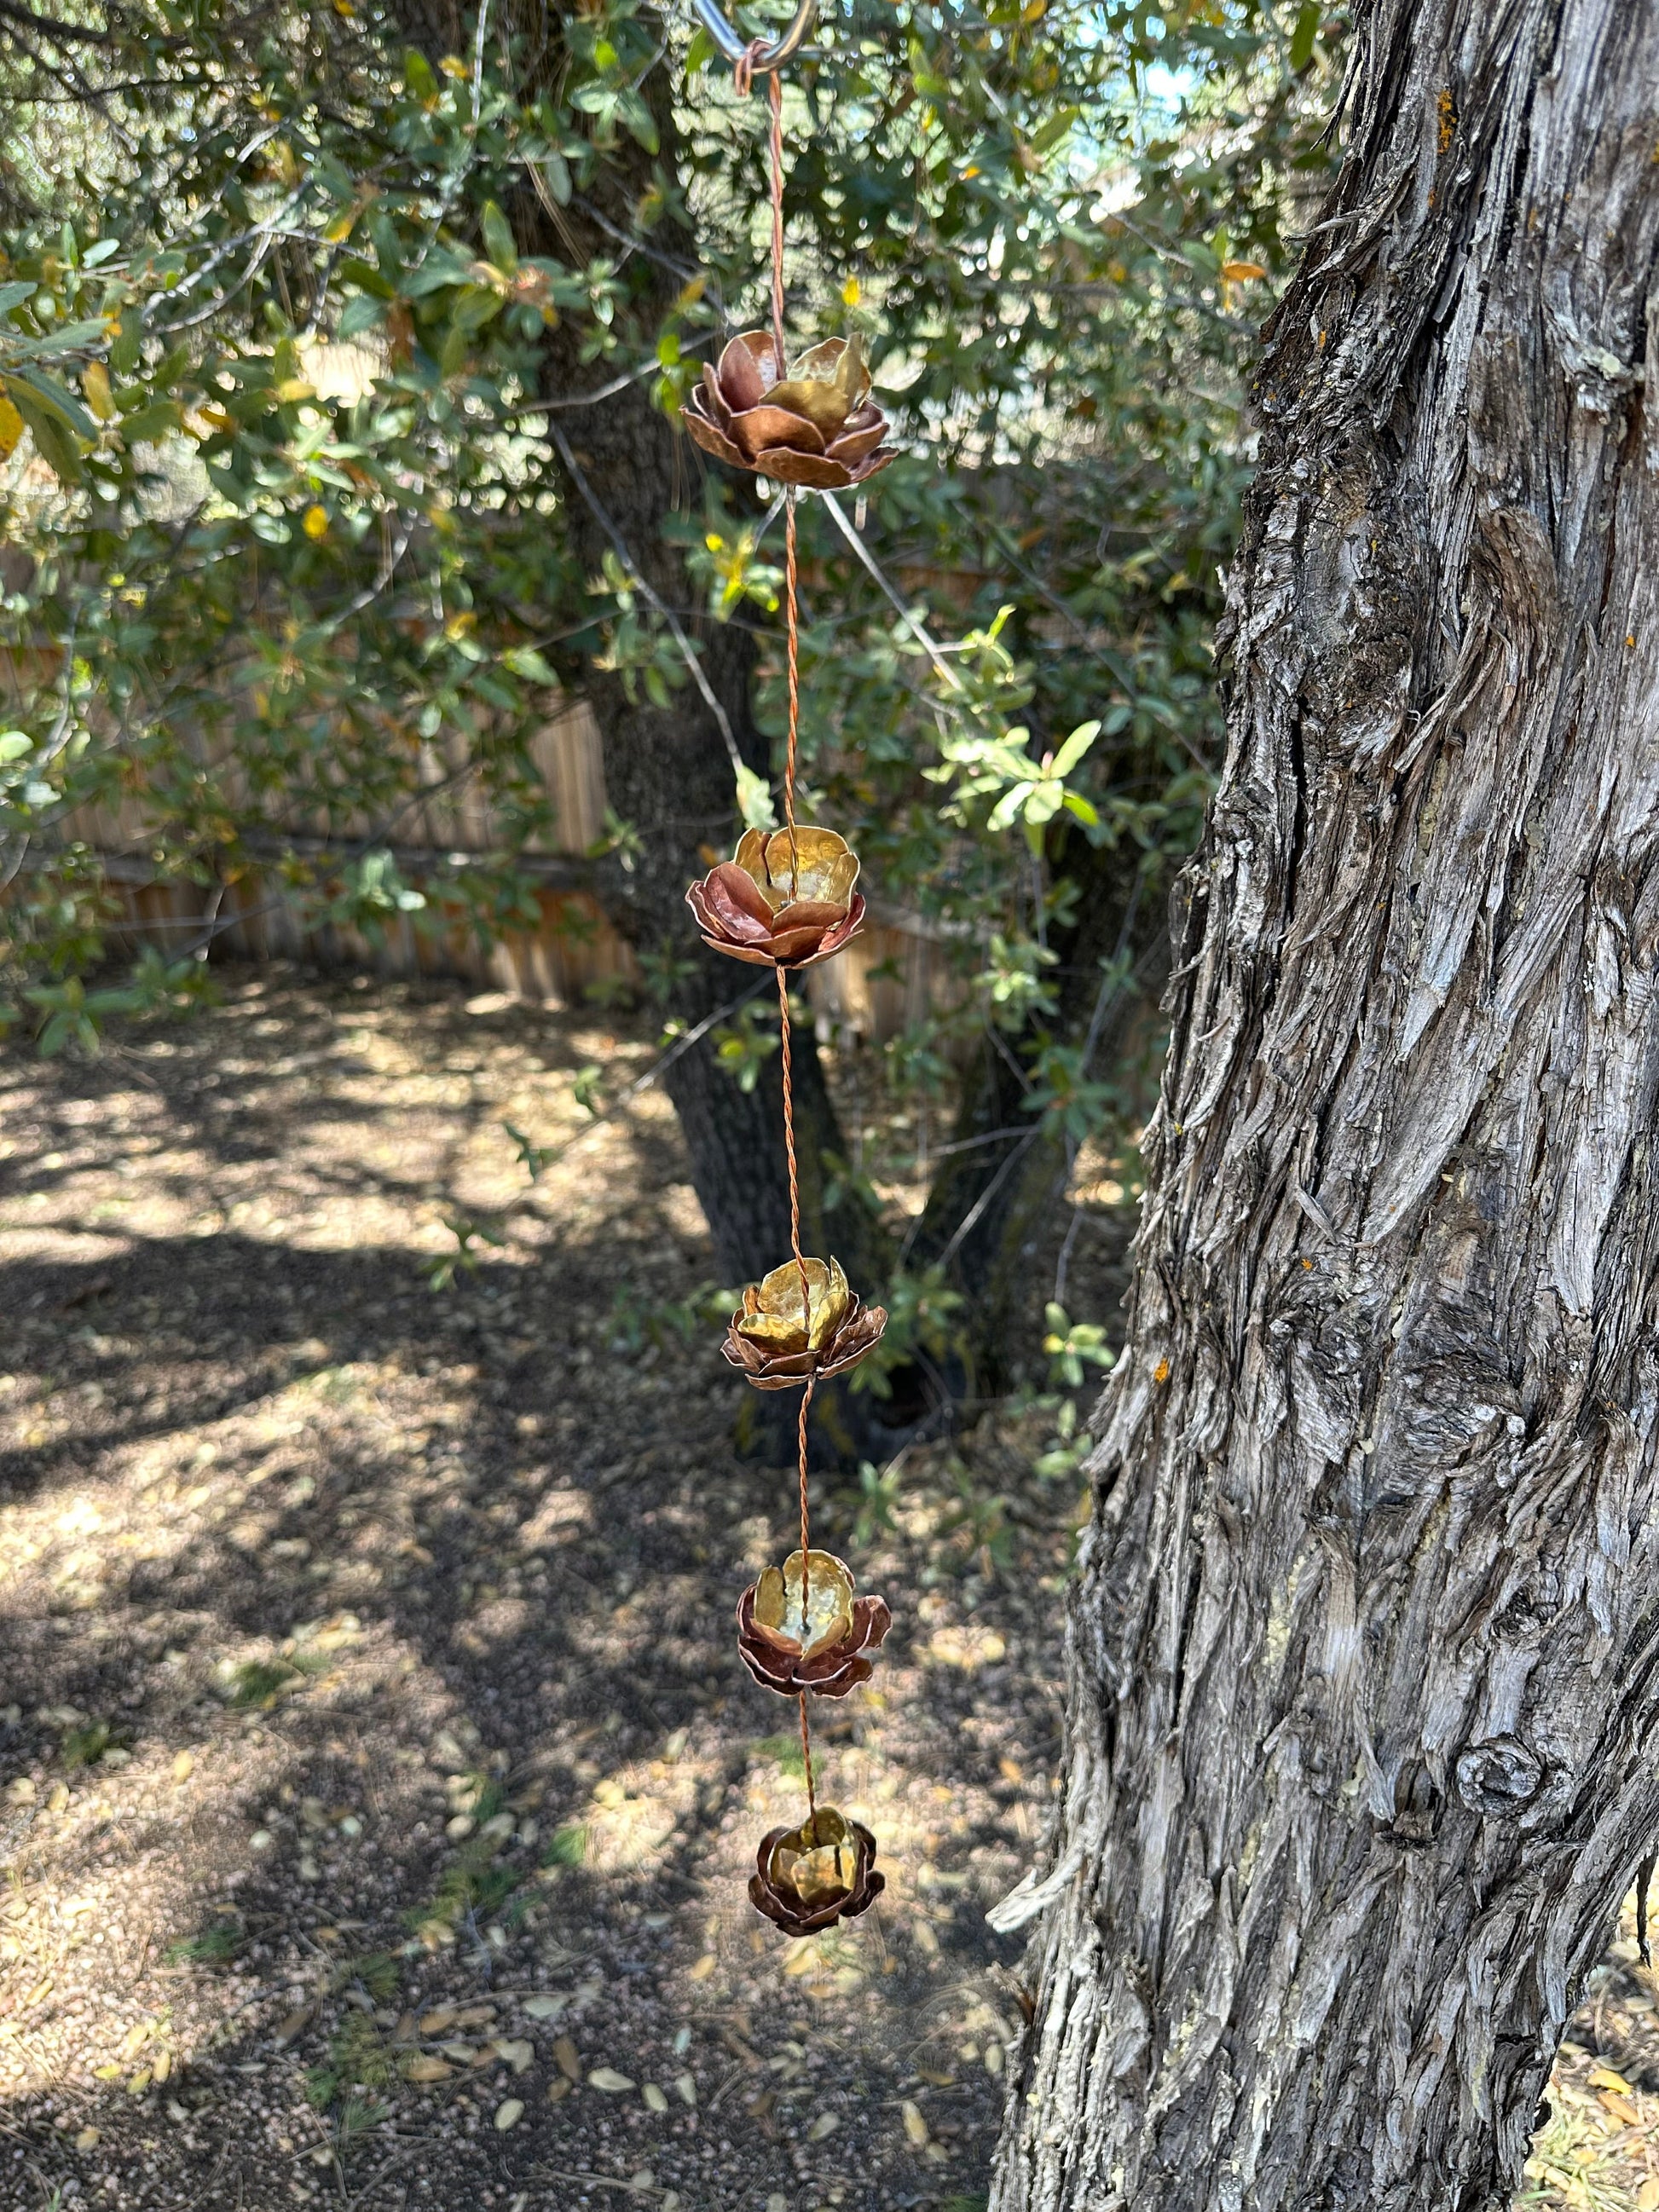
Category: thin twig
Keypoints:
(698, 676)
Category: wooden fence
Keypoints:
(887, 979)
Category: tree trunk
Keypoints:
(1365, 1650)
(991, 1212)
(669, 770)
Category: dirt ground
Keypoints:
(379, 1780)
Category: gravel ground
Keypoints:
(377, 1777)
(380, 1777)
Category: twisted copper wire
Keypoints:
(744, 79)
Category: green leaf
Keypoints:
(1073, 749)
(1304, 35)
(52, 440)
(525, 660)
(556, 175)
(1009, 807)
(499, 242)
(754, 800)
(52, 397)
(14, 294)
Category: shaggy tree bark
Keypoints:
(1365, 1650)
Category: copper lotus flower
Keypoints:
(816, 426)
(811, 1876)
(779, 1340)
(783, 900)
(821, 1649)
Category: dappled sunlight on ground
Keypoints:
(381, 1779)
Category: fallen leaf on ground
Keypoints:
(608, 2079)
(509, 2113)
(914, 2126)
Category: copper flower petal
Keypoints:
(851, 1343)
(825, 406)
(813, 470)
(861, 471)
(803, 863)
(819, 361)
(757, 956)
(839, 361)
(838, 936)
(714, 399)
(758, 430)
(854, 444)
(748, 370)
(711, 439)
(808, 1878)
(777, 1314)
(813, 915)
(736, 902)
(829, 1602)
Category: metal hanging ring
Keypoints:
(734, 46)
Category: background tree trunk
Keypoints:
(1364, 1651)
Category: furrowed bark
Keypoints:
(1363, 1652)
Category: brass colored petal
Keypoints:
(819, 361)
(748, 370)
(826, 405)
(807, 864)
(829, 1615)
(776, 1319)
(759, 430)
(814, 471)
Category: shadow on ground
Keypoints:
(381, 1779)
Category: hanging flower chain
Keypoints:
(786, 899)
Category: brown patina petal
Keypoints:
(768, 1370)
(713, 400)
(794, 948)
(861, 471)
(853, 1342)
(761, 429)
(859, 439)
(748, 370)
(813, 471)
(809, 1877)
(758, 955)
(838, 936)
(711, 439)
(815, 915)
(732, 900)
